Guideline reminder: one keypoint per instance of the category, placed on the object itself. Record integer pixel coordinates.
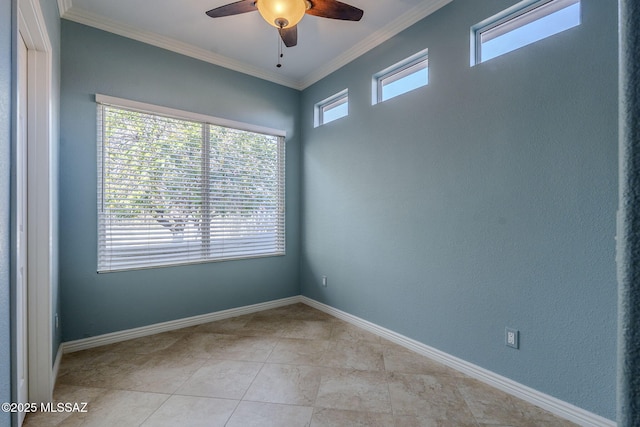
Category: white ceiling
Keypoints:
(246, 43)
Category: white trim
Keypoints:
(186, 115)
(56, 364)
(114, 337)
(544, 401)
(40, 221)
(383, 34)
(64, 6)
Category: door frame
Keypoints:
(40, 193)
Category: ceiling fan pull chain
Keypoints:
(280, 54)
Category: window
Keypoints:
(175, 188)
(332, 108)
(402, 77)
(525, 23)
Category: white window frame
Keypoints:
(517, 16)
(205, 121)
(398, 71)
(328, 104)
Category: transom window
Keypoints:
(405, 76)
(177, 187)
(525, 23)
(332, 108)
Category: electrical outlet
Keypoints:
(324, 281)
(512, 338)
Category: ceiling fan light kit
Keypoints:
(286, 14)
(282, 13)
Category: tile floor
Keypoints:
(285, 367)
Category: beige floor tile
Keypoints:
(226, 379)
(107, 370)
(192, 412)
(298, 351)
(294, 312)
(225, 326)
(64, 394)
(117, 408)
(362, 355)
(147, 345)
(399, 359)
(409, 421)
(196, 344)
(160, 374)
(425, 396)
(308, 329)
(323, 417)
(349, 332)
(266, 327)
(541, 417)
(288, 311)
(257, 414)
(365, 391)
(72, 362)
(288, 384)
(489, 405)
(237, 347)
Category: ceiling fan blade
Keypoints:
(289, 35)
(242, 6)
(335, 10)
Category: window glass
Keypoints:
(332, 108)
(335, 111)
(539, 20)
(175, 191)
(400, 78)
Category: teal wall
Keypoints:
(485, 200)
(6, 66)
(93, 62)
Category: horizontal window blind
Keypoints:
(174, 191)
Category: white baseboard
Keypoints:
(555, 406)
(114, 337)
(544, 401)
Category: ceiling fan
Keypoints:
(285, 14)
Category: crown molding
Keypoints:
(67, 11)
(64, 6)
(100, 22)
(382, 35)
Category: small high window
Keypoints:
(332, 108)
(523, 24)
(405, 76)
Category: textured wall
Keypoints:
(6, 63)
(486, 199)
(93, 62)
(629, 219)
